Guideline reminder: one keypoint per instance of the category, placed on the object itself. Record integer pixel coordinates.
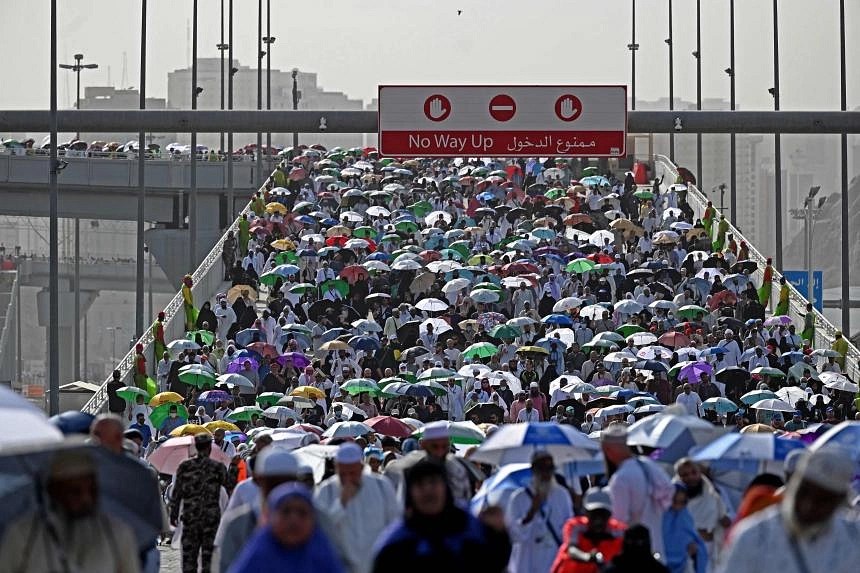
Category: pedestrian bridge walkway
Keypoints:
(208, 281)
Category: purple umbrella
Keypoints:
(238, 365)
(294, 359)
(692, 372)
(214, 396)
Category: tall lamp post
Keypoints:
(141, 183)
(76, 343)
(809, 213)
(222, 47)
(733, 195)
(297, 95)
(671, 81)
(268, 39)
(195, 91)
(698, 55)
(260, 54)
(633, 46)
(777, 146)
(54, 236)
(77, 67)
(230, 195)
(846, 272)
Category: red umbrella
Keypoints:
(298, 173)
(600, 258)
(674, 339)
(430, 255)
(337, 240)
(354, 273)
(722, 297)
(263, 349)
(512, 269)
(388, 426)
(576, 219)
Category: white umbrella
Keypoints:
(433, 217)
(356, 244)
(843, 384)
(443, 266)
(642, 339)
(469, 370)
(566, 335)
(597, 237)
(484, 295)
(366, 325)
(663, 304)
(378, 266)
(649, 409)
(594, 311)
(773, 405)
(439, 325)
(628, 306)
(347, 430)
(315, 456)
(377, 211)
(566, 304)
(406, 265)
(654, 352)
(514, 443)
(22, 425)
(351, 216)
(179, 346)
(521, 321)
(280, 413)
(496, 377)
(615, 410)
(791, 394)
(432, 305)
(231, 380)
(455, 285)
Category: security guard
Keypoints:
(197, 488)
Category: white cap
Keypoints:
(596, 498)
(829, 468)
(437, 431)
(533, 385)
(729, 332)
(275, 461)
(476, 385)
(349, 453)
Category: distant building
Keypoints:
(109, 97)
(312, 97)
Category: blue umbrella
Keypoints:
(486, 196)
(558, 320)
(514, 443)
(378, 256)
(332, 333)
(547, 343)
(845, 435)
(307, 253)
(306, 220)
(284, 271)
(746, 452)
(72, 422)
(249, 335)
(329, 222)
(653, 366)
(669, 436)
(366, 343)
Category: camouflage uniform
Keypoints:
(197, 486)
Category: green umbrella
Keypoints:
(580, 266)
(130, 394)
(627, 329)
(691, 310)
(644, 195)
(391, 238)
(589, 171)
(768, 371)
(244, 413)
(460, 432)
(433, 373)
(461, 247)
(451, 255)
(488, 285)
(360, 386)
(302, 288)
(339, 285)
(504, 331)
(207, 337)
(304, 207)
(391, 379)
(267, 399)
(481, 350)
(197, 377)
(406, 226)
(385, 161)
(333, 171)
(554, 193)
(285, 257)
(420, 209)
(297, 327)
(161, 413)
(364, 232)
(599, 344)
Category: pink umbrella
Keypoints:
(297, 174)
(170, 454)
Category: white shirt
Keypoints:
(533, 545)
(733, 351)
(363, 518)
(226, 317)
(526, 416)
(641, 491)
(691, 402)
(761, 544)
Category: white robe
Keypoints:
(534, 546)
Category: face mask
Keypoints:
(174, 415)
(803, 385)
(503, 386)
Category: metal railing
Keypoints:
(824, 329)
(207, 277)
(7, 349)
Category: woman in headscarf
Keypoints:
(680, 538)
(207, 317)
(292, 540)
(636, 555)
(435, 535)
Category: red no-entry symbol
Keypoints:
(437, 107)
(568, 107)
(502, 107)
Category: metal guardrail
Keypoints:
(174, 315)
(6, 349)
(824, 329)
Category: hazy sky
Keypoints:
(356, 45)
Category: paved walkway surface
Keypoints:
(171, 559)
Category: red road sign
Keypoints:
(437, 107)
(568, 107)
(502, 107)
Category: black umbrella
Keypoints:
(486, 413)
(516, 213)
(575, 404)
(746, 265)
(321, 308)
(661, 288)
(639, 273)
(671, 274)
(732, 375)
(412, 353)
(485, 212)
(729, 322)
(407, 334)
(536, 189)
(715, 263)
(602, 403)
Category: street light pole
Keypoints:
(269, 40)
(221, 47)
(698, 55)
(846, 253)
(777, 145)
(53, 247)
(633, 46)
(733, 196)
(192, 207)
(259, 169)
(671, 81)
(141, 183)
(230, 193)
(808, 214)
(77, 67)
(294, 74)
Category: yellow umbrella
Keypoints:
(339, 231)
(275, 207)
(283, 245)
(308, 392)
(165, 398)
(758, 429)
(239, 290)
(334, 345)
(189, 430)
(221, 425)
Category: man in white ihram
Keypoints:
(535, 517)
(690, 400)
(359, 505)
(810, 531)
(640, 490)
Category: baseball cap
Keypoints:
(596, 498)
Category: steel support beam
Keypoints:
(249, 121)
